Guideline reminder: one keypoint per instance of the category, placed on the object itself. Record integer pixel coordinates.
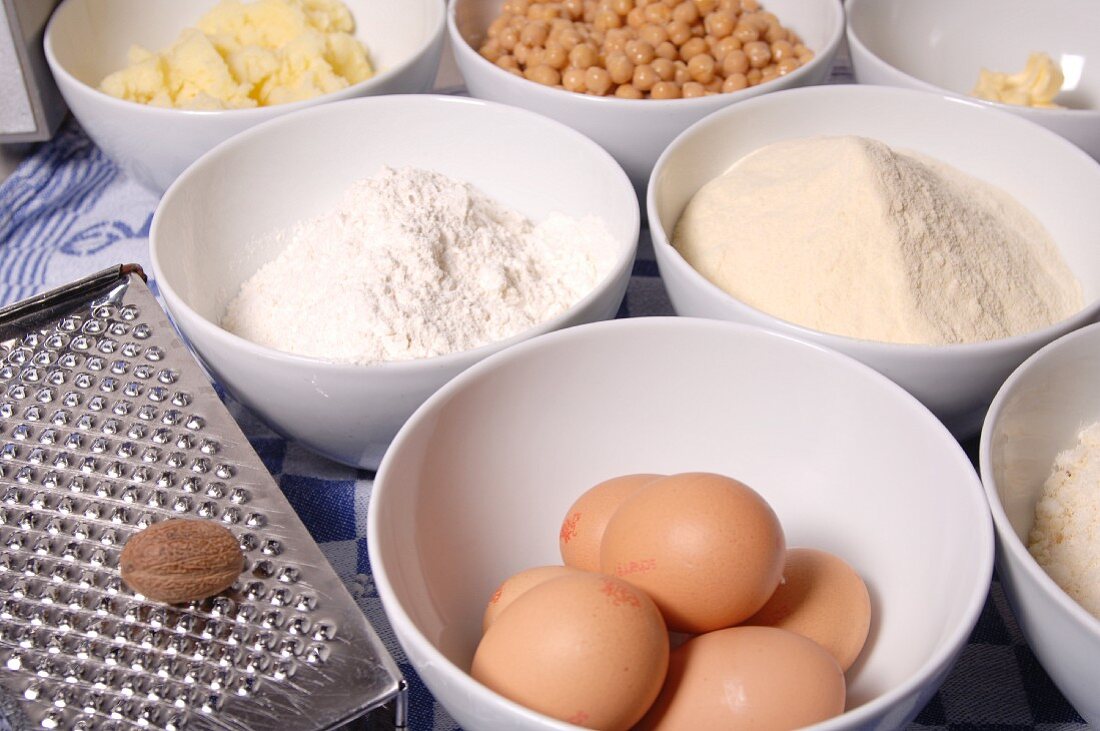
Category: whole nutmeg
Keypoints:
(181, 560)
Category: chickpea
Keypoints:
(759, 53)
(644, 77)
(543, 74)
(518, 7)
(679, 32)
(615, 41)
(692, 89)
(534, 34)
(582, 56)
(622, 7)
(664, 68)
(725, 46)
(640, 52)
(491, 50)
(620, 68)
(693, 48)
(497, 26)
(681, 75)
(734, 82)
(568, 39)
(508, 63)
(775, 33)
(715, 86)
(573, 79)
(555, 55)
(667, 50)
(746, 32)
(788, 65)
(653, 34)
(804, 54)
(597, 80)
(732, 6)
(769, 72)
(665, 90)
(658, 13)
(750, 5)
(735, 62)
(720, 24)
(508, 39)
(705, 6)
(701, 67)
(626, 91)
(753, 76)
(521, 51)
(685, 13)
(607, 19)
(636, 17)
(573, 8)
(782, 50)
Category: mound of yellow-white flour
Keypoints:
(248, 55)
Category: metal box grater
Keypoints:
(107, 425)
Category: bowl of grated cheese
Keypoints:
(1039, 457)
(337, 265)
(156, 83)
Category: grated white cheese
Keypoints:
(1065, 539)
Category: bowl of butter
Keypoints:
(156, 83)
(1038, 60)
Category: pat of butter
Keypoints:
(248, 55)
(1035, 86)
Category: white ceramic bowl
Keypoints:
(476, 484)
(205, 243)
(1037, 414)
(633, 131)
(88, 39)
(1051, 177)
(941, 45)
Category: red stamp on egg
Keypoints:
(620, 594)
(569, 528)
(636, 567)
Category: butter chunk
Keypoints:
(243, 55)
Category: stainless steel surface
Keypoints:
(107, 425)
(31, 107)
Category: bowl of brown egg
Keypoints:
(632, 74)
(775, 536)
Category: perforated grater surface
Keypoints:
(107, 425)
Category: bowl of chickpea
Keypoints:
(633, 74)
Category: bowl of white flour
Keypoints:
(335, 267)
(1040, 458)
(937, 240)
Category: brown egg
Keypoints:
(747, 677)
(585, 648)
(584, 524)
(823, 598)
(515, 585)
(707, 548)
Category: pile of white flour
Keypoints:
(846, 235)
(413, 264)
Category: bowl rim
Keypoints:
(1010, 541)
(945, 654)
(253, 114)
(464, 52)
(857, 43)
(668, 255)
(622, 262)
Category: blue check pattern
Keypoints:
(68, 211)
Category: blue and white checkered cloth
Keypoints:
(67, 211)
